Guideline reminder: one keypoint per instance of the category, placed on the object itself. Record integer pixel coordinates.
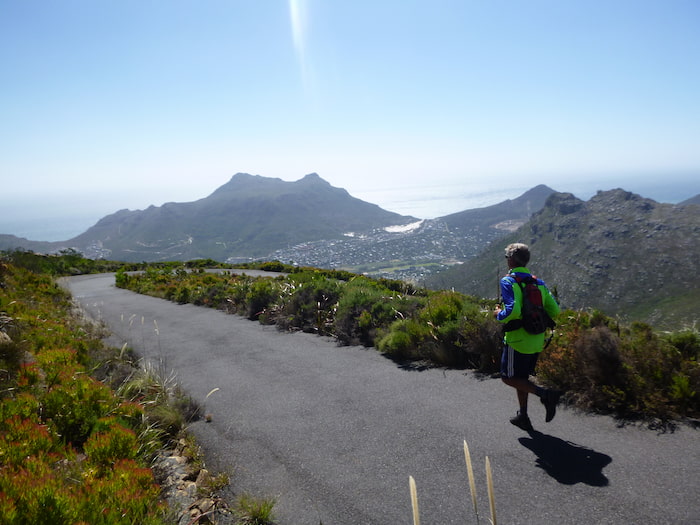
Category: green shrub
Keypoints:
(73, 408)
(404, 340)
(687, 342)
(22, 438)
(272, 266)
(307, 302)
(449, 329)
(182, 294)
(111, 443)
(123, 493)
(261, 294)
(366, 308)
(122, 279)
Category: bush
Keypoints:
(74, 408)
(254, 511)
(366, 308)
(51, 411)
(261, 294)
(687, 342)
(449, 329)
(307, 302)
(23, 438)
(630, 372)
(110, 444)
(404, 340)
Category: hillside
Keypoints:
(618, 252)
(505, 216)
(250, 216)
(692, 200)
(12, 242)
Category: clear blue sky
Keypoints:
(121, 104)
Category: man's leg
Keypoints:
(523, 388)
(515, 371)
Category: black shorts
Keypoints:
(516, 364)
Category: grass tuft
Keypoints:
(250, 510)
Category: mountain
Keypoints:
(250, 216)
(618, 252)
(692, 200)
(505, 216)
(12, 242)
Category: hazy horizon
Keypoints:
(50, 220)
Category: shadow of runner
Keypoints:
(567, 462)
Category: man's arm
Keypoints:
(508, 298)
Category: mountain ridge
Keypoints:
(249, 216)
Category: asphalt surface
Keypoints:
(333, 433)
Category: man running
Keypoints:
(521, 349)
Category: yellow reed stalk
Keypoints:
(492, 500)
(414, 500)
(212, 391)
(472, 485)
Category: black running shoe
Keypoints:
(550, 400)
(522, 421)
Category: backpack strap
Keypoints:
(520, 279)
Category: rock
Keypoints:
(182, 486)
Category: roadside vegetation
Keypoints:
(81, 424)
(629, 371)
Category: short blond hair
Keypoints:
(519, 252)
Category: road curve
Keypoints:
(333, 433)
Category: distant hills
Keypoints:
(618, 252)
(692, 200)
(248, 217)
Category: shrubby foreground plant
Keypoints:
(69, 451)
(75, 449)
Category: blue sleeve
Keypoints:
(507, 297)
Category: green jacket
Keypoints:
(512, 297)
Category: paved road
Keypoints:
(333, 433)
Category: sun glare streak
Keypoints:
(298, 19)
(296, 16)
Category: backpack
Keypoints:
(535, 319)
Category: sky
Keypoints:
(424, 107)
